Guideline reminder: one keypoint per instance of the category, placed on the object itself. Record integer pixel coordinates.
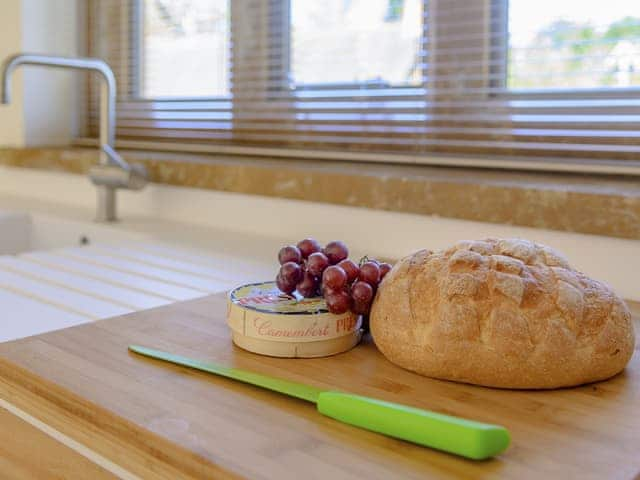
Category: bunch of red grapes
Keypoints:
(328, 272)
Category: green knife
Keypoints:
(467, 438)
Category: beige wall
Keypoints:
(44, 105)
(11, 116)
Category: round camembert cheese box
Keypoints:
(264, 320)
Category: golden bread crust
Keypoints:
(506, 313)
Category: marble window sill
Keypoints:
(592, 204)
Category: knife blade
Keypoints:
(451, 434)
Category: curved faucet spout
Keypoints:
(113, 172)
(92, 64)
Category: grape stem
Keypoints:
(363, 260)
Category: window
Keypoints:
(185, 48)
(356, 41)
(581, 45)
(546, 84)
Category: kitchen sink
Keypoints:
(22, 232)
(57, 272)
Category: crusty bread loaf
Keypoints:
(503, 313)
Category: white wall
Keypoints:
(44, 104)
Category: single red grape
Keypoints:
(362, 295)
(316, 263)
(291, 273)
(351, 269)
(370, 273)
(384, 269)
(308, 246)
(289, 253)
(338, 301)
(285, 286)
(334, 278)
(362, 292)
(336, 251)
(308, 287)
(361, 308)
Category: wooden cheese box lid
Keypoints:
(264, 320)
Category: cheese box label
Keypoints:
(262, 311)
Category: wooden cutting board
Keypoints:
(162, 421)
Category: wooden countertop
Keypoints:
(162, 421)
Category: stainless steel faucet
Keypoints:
(113, 171)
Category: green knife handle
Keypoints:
(451, 434)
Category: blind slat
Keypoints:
(278, 80)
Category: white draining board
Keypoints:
(129, 265)
(127, 297)
(92, 270)
(23, 316)
(72, 300)
(46, 290)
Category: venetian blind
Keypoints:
(422, 81)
